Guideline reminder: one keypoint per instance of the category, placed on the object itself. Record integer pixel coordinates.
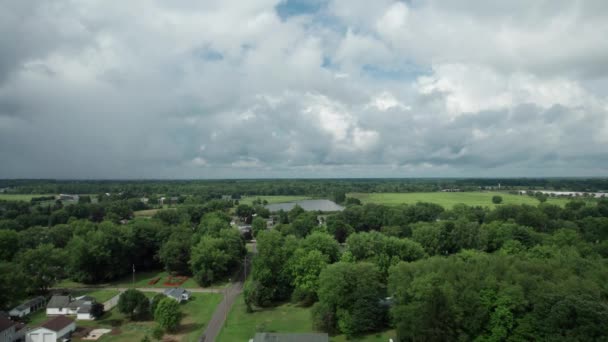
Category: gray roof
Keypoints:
(85, 308)
(175, 292)
(289, 337)
(57, 302)
(30, 303)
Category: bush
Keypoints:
(496, 199)
(158, 332)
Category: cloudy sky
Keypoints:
(295, 88)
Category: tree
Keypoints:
(350, 292)
(168, 315)
(134, 303)
(212, 223)
(43, 265)
(97, 310)
(323, 243)
(245, 212)
(257, 225)
(12, 285)
(270, 279)
(155, 300)
(175, 253)
(305, 267)
(9, 244)
(496, 199)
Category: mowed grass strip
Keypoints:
(449, 199)
(273, 199)
(241, 326)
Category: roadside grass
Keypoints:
(272, 199)
(241, 326)
(142, 279)
(197, 312)
(285, 318)
(449, 199)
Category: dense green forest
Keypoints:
(209, 189)
(517, 272)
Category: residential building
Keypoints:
(28, 307)
(55, 329)
(290, 337)
(8, 330)
(66, 305)
(178, 293)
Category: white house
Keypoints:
(65, 305)
(28, 307)
(55, 329)
(177, 293)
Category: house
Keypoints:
(290, 337)
(11, 331)
(177, 293)
(28, 307)
(55, 329)
(65, 305)
(144, 200)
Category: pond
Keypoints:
(308, 205)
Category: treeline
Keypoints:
(210, 189)
(518, 272)
(37, 250)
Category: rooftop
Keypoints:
(57, 323)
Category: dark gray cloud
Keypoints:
(261, 89)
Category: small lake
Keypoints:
(308, 205)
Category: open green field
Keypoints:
(141, 280)
(21, 197)
(241, 326)
(145, 213)
(272, 199)
(449, 199)
(197, 312)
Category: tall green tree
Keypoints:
(168, 314)
(134, 303)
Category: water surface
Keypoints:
(308, 205)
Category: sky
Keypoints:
(320, 88)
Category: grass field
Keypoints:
(272, 199)
(449, 199)
(21, 197)
(241, 326)
(145, 213)
(141, 280)
(197, 312)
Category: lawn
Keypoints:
(272, 199)
(449, 199)
(21, 197)
(241, 326)
(142, 279)
(197, 312)
(100, 295)
(145, 213)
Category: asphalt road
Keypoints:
(221, 312)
